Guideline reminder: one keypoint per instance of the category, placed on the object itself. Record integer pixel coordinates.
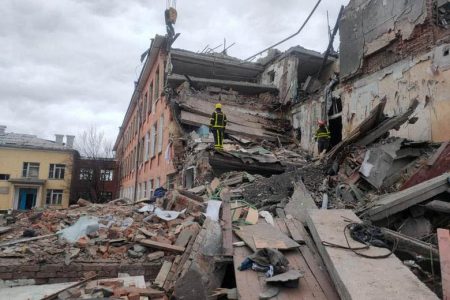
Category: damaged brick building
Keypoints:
(394, 49)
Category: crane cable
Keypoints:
(289, 37)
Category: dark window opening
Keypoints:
(335, 122)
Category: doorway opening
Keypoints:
(335, 122)
(27, 198)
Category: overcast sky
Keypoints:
(69, 64)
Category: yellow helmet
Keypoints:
(218, 105)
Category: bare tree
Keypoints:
(93, 144)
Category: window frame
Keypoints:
(56, 169)
(106, 175)
(5, 177)
(90, 174)
(51, 194)
(26, 170)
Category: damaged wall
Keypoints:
(369, 26)
(305, 116)
(283, 74)
(424, 77)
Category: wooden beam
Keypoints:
(411, 245)
(162, 275)
(444, 257)
(161, 246)
(357, 277)
(390, 204)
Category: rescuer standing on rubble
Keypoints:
(322, 137)
(218, 123)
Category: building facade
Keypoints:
(34, 172)
(95, 180)
(144, 144)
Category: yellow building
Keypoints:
(34, 172)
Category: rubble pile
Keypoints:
(97, 232)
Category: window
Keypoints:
(106, 196)
(157, 183)
(170, 181)
(86, 174)
(152, 140)
(106, 175)
(144, 110)
(54, 197)
(56, 171)
(146, 147)
(160, 133)
(4, 176)
(144, 191)
(150, 187)
(150, 95)
(156, 87)
(30, 169)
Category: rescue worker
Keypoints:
(218, 123)
(322, 137)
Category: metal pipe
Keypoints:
(289, 37)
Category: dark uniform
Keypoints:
(218, 123)
(323, 138)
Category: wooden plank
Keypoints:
(162, 275)
(184, 237)
(252, 216)
(227, 230)
(267, 233)
(410, 244)
(161, 246)
(295, 233)
(432, 160)
(214, 184)
(444, 257)
(301, 201)
(357, 277)
(147, 233)
(390, 204)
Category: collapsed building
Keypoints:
(189, 218)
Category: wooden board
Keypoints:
(301, 201)
(162, 275)
(444, 257)
(393, 203)
(294, 232)
(161, 246)
(227, 231)
(271, 236)
(184, 237)
(354, 276)
(252, 216)
(249, 283)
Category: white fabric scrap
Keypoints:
(212, 211)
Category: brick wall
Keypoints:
(423, 38)
(11, 275)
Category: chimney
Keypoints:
(2, 129)
(59, 139)
(69, 141)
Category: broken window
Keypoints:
(54, 197)
(144, 192)
(105, 196)
(4, 176)
(443, 13)
(160, 133)
(144, 109)
(271, 76)
(56, 171)
(106, 175)
(30, 170)
(157, 182)
(86, 174)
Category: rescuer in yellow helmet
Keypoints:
(218, 123)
